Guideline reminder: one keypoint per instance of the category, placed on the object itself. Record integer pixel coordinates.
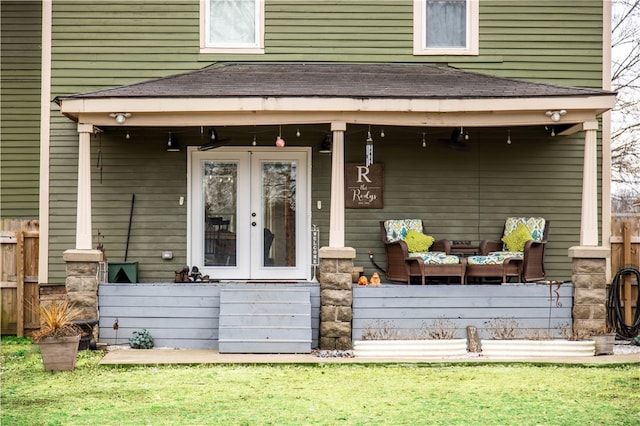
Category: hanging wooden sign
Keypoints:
(364, 186)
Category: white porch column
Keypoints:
(83, 218)
(589, 216)
(336, 218)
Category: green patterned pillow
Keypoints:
(417, 241)
(515, 241)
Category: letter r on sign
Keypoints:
(363, 171)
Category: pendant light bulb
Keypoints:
(424, 140)
(382, 133)
(254, 142)
(508, 137)
(279, 140)
(298, 132)
(127, 136)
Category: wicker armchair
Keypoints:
(402, 265)
(527, 265)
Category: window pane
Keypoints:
(232, 23)
(220, 189)
(446, 23)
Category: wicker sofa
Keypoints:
(402, 264)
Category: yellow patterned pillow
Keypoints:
(417, 241)
(516, 240)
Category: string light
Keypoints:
(464, 134)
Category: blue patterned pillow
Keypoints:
(535, 226)
(397, 228)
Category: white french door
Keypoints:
(249, 213)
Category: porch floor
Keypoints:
(201, 356)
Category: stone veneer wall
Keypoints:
(82, 280)
(52, 293)
(590, 287)
(336, 297)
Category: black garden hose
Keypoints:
(616, 316)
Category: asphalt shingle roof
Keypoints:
(404, 81)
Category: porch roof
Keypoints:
(402, 94)
(404, 81)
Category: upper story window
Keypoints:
(232, 26)
(445, 27)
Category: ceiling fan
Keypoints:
(459, 140)
(213, 142)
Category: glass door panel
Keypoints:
(220, 190)
(279, 201)
(279, 213)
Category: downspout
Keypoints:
(45, 126)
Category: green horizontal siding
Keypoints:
(147, 39)
(20, 25)
(142, 166)
(462, 195)
(466, 195)
(548, 41)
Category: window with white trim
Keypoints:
(445, 27)
(232, 26)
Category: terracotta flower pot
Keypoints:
(59, 353)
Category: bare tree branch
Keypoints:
(625, 80)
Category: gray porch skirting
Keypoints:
(187, 315)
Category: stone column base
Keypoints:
(82, 281)
(589, 287)
(336, 297)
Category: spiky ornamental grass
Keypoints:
(57, 320)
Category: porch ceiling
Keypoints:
(392, 94)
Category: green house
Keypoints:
(242, 136)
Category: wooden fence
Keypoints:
(19, 289)
(625, 251)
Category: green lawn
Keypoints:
(350, 394)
